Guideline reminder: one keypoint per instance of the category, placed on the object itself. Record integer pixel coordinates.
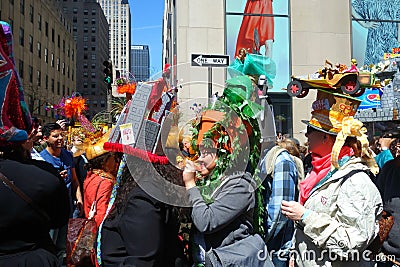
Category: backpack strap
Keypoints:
(270, 159)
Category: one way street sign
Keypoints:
(210, 60)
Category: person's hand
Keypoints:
(292, 210)
(189, 174)
(369, 24)
(386, 142)
(79, 206)
(64, 174)
(62, 123)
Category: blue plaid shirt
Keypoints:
(282, 186)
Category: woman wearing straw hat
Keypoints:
(337, 217)
(102, 169)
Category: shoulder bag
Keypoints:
(81, 238)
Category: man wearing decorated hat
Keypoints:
(337, 217)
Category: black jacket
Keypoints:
(144, 234)
(21, 227)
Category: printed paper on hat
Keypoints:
(127, 136)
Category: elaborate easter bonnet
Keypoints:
(15, 120)
(333, 113)
(138, 129)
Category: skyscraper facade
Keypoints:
(44, 52)
(90, 31)
(140, 62)
(118, 16)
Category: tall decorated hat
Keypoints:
(329, 110)
(15, 120)
(333, 113)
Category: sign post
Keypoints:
(210, 61)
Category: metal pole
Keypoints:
(109, 106)
(209, 83)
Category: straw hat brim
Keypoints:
(317, 128)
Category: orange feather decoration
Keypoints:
(129, 88)
(74, 106)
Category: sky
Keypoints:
(146, 19)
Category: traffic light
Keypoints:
(108, 76)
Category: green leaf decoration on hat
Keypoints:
(238, 92)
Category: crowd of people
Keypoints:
(227, 202)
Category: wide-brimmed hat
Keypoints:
(329, 110)
(333, 113)
(96, 149)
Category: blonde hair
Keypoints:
(290, 146)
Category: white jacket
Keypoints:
(343, 220)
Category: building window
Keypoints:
(73, 55)
(39, 78)
(22, 6)
(75, 29)
(52, 34)
(52, 86)
(93, 11)
(46, 58)
(21, 36)
(67, 71)
(52, 60)
(85, 29)
(93, 48)
(93, 75)
(39, 49)
(31, 43)
(58, 41)
(12, 2)
(74, 19)
(85, 12)
(58, 88)
(93, 21)
(93, 56)
(58, 64)
(39, 22)
(85, 21)
(46, 82)
(85, 56)
(93, 85)
(93, 38)
(31, 10)
(85, 38)
(63, 68)
(63, 90)
(85, 85)
(21, 68)
(30, 74)
(85, 74)
(63, 45)
(93, 29)
(75, 10)
(46, 28)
